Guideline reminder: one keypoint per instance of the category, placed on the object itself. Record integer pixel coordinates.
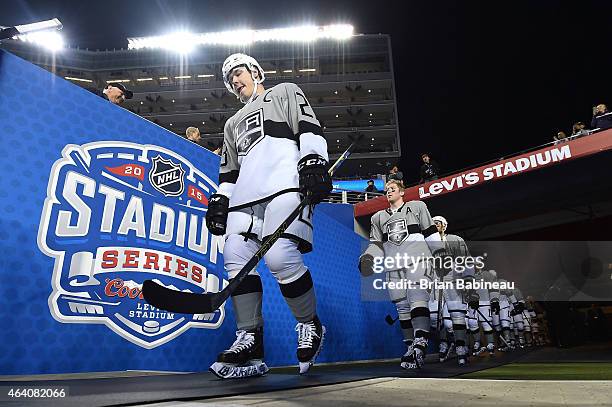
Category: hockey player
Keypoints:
(500, 313)
(479, 315)
(516, 313)
(273, 151)
(405, 229)
(457, 300)
(444, 328)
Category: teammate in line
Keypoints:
(405, 228)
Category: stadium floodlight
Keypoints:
(183, 42)
(41, 33)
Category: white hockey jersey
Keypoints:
(408, 231)
(263, 143)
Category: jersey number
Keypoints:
(304, 105)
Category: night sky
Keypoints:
(475, 81)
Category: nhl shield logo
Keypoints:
(397, 231)
(167, 177)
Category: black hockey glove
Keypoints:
(314, 178)
(216, 216)
(519, 307)
(443, 262)
(472, 298)
(366, 265)
(495, 308)
(514, 312)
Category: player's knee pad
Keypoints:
(448, 324)
(285, 261)
(472, 324)
(433, 318)
(403, 309)
(457, 317)
(236, 253)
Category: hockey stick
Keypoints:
(390, 320)
(440, 310)
(501, 334)
(204, 303)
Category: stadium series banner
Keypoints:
(117, 214)
(93, 201)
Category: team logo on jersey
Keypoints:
(249, 132)
(117, 214)
(167, 177)
(397, 231)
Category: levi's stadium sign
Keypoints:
(520, 164)
(119, 213)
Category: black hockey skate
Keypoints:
(445, 350)
(462, 355)
(408, 361)
(244, 358)
(310, 342)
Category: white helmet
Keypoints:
(442, 220)
(236, 60)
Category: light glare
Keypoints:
(184, 42)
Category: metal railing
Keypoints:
(351, 197)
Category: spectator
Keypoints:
(113, 92)
(429, 170)
(395, 173)
(193, 134)
(371, 187)
(578, 130)
(602, 119)
(560, 136)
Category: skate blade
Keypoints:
(304, 367)
(409, 365)
(227, 371)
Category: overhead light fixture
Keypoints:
(205, 99)
(141, 102)
(49, 40)
(185, 41)
(41, 33)
(118, 81)
(269, 72)
(173, 101)
(163, 78)
(337, 115)
(288, 71)
(308, 70)
(370, 114)
(335, 92)
(369, 90)
(208, 75)
(144, 79)
(70, 78)
(372, 138)
(182, 77)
